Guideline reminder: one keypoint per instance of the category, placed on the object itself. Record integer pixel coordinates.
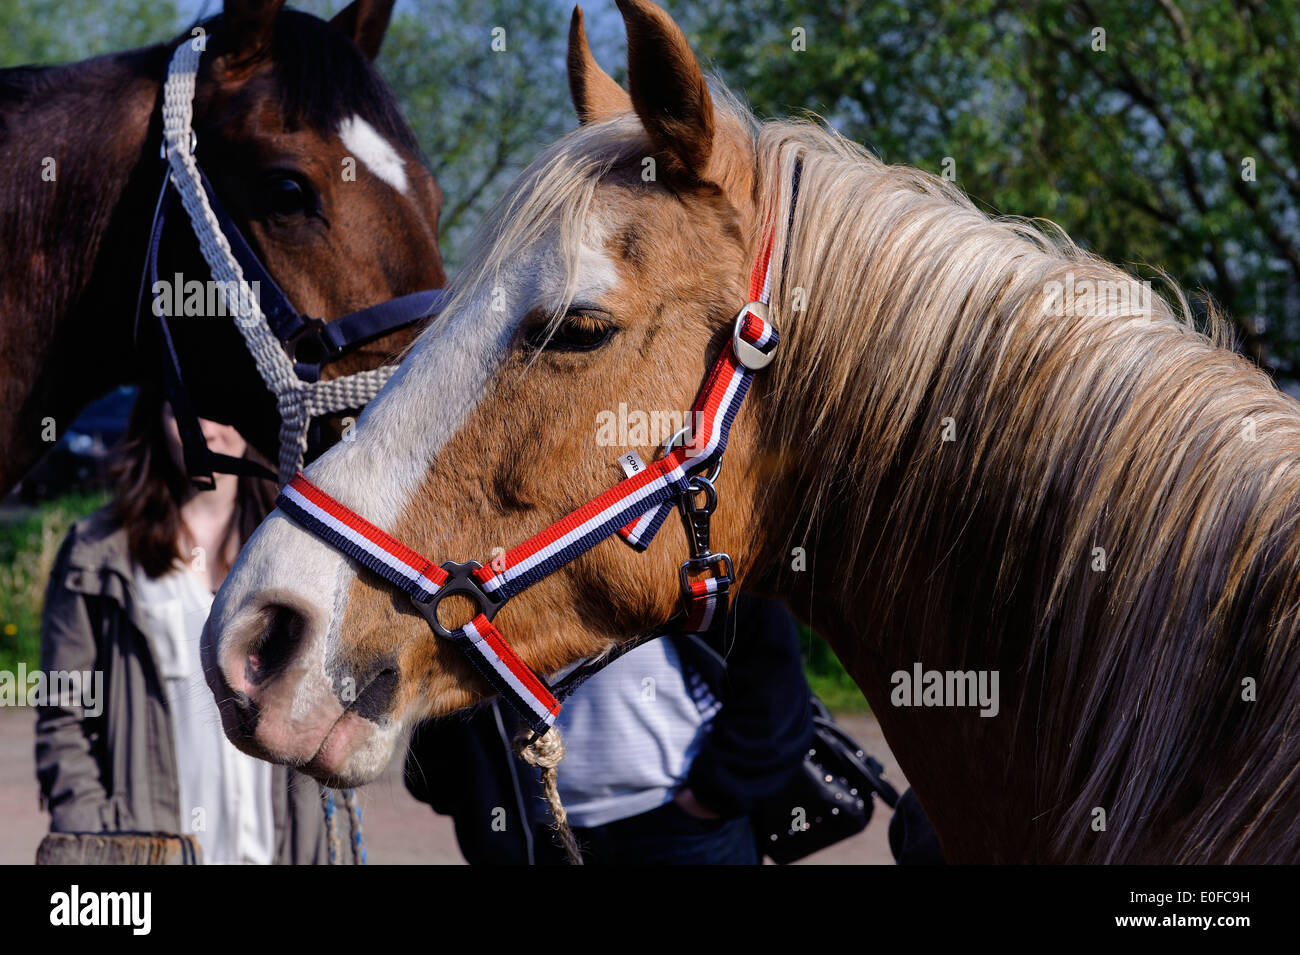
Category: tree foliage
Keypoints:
(483, 85)
(60, 31)
(1161, 134)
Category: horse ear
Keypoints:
(366, 22)
(668, 88)
(595, 94)
(247, 26)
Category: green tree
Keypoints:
(1160, 134)
(483, 85)
(60, 31)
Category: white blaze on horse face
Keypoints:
(384, 464)
(364, 142)
(444, 377)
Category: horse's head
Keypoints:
(600, 293)
(306, 147)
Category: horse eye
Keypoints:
(286, 195)
(579, 331)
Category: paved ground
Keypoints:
(398, 830)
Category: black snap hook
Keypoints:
(690, 499)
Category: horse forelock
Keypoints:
(305, 48)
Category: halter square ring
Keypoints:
(460, 580)
(718, 565)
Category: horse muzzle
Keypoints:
(281, 700)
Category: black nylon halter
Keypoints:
(310, 342)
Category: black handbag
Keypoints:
(829, 799)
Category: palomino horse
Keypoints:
(283, 99)
(983, 463)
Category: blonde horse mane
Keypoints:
(1118, 485)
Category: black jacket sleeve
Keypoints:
(461, 765)
(765, 727)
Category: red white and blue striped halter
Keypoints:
(635, 508)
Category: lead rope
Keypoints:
(331, 825)
(297, 401)
(545, 752)
(354, 824)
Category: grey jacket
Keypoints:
(117, 772)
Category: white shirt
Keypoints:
(225, 795)
(630, 734)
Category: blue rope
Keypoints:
(354, 811)
(329, 823)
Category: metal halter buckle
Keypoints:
(307, 348)
(460, 580)
(747, 354)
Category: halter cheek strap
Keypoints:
(635, 508)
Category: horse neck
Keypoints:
(1066, 501)
(831, 532)
(76, 241)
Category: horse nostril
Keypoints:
(281, 635)
(378, 689)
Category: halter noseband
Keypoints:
(288, 348)
(635, 508)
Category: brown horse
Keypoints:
(979, 450)
(283, 98)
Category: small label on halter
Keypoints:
(631, 463)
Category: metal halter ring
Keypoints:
(460, 580)
(672, 443)
(747, 354)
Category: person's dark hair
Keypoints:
(149, 489)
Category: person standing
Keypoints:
(131, 589)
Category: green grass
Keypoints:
(826, 675)
(29, 543)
